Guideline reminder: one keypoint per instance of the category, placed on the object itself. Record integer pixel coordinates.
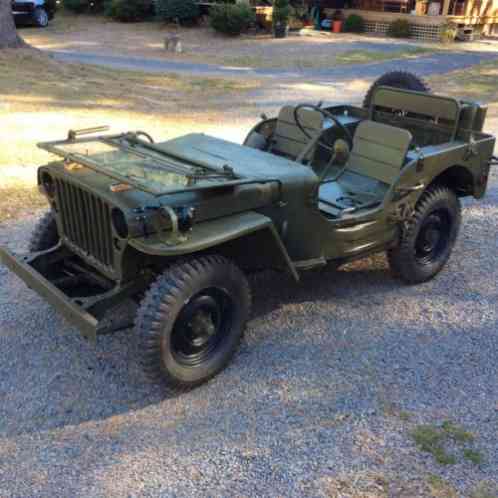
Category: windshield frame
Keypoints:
(192, 170)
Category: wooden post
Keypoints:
(446, 7)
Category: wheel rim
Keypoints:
(42, 18)
(202, 326)
(433, 237)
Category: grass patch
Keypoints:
(474, 83)
(456, 432)
(366, 56)
(440, 488)
(433, 439)
(485, 489)
(43, 98)
(321, 60)
(473, 456)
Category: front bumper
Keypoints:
(74, 314)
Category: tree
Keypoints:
(8, 32)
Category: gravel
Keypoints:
(332, 377)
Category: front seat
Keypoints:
(375, 162)
(288, 140)
(379, 151)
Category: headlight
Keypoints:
(119, 223)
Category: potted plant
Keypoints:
(337, 20)
(280, 18)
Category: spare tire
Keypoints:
(397, 79)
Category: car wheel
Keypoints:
(45, 235)
(396, 79)
(427, 241)
(40, 17)
(191, 321)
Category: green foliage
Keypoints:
(432, 439)
(128, 10)
(177, 10)
(354, 24)
(78, 6)
(456, 433)
(231, 19)
(400, 28)
(473, 456)
(89, 6)
(281, 12)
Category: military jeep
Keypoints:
(178, 225)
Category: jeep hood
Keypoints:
(191, 162)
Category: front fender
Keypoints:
(212, 233)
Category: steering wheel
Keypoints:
(326, 115)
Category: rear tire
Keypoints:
(397, 79)
(45, 235)
(191, 321)
(427, 241)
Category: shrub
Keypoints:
(177, 10)
(354, 24)
(78, 6)
(400, 28)
(231, 19)
(281, 12)
(129, 10)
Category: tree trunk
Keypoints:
(8, 32)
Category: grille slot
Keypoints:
(86, 221)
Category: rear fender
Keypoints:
(230, 234)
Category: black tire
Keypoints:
(428, 238)
(208, 290)
(45, 235)
(397, 79)
(40, 17)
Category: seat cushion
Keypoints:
(288, 139)
(379, 151)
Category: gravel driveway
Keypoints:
(332, 377)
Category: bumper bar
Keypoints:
(73, 313)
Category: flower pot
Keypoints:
(336, 26)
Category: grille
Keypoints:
(86, 221)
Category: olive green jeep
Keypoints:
(178, 225)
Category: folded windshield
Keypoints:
(138, 164)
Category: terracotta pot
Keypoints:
(336, 26)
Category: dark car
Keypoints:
(37, 12)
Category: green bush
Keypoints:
(281, 12)
(177, 10)
(354, 24)
(400, 28)
(129, 10)
(78, 6)
(231, 19)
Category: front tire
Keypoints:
(428, 239)
(40, 17)
(191, 321)
(45, 235)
